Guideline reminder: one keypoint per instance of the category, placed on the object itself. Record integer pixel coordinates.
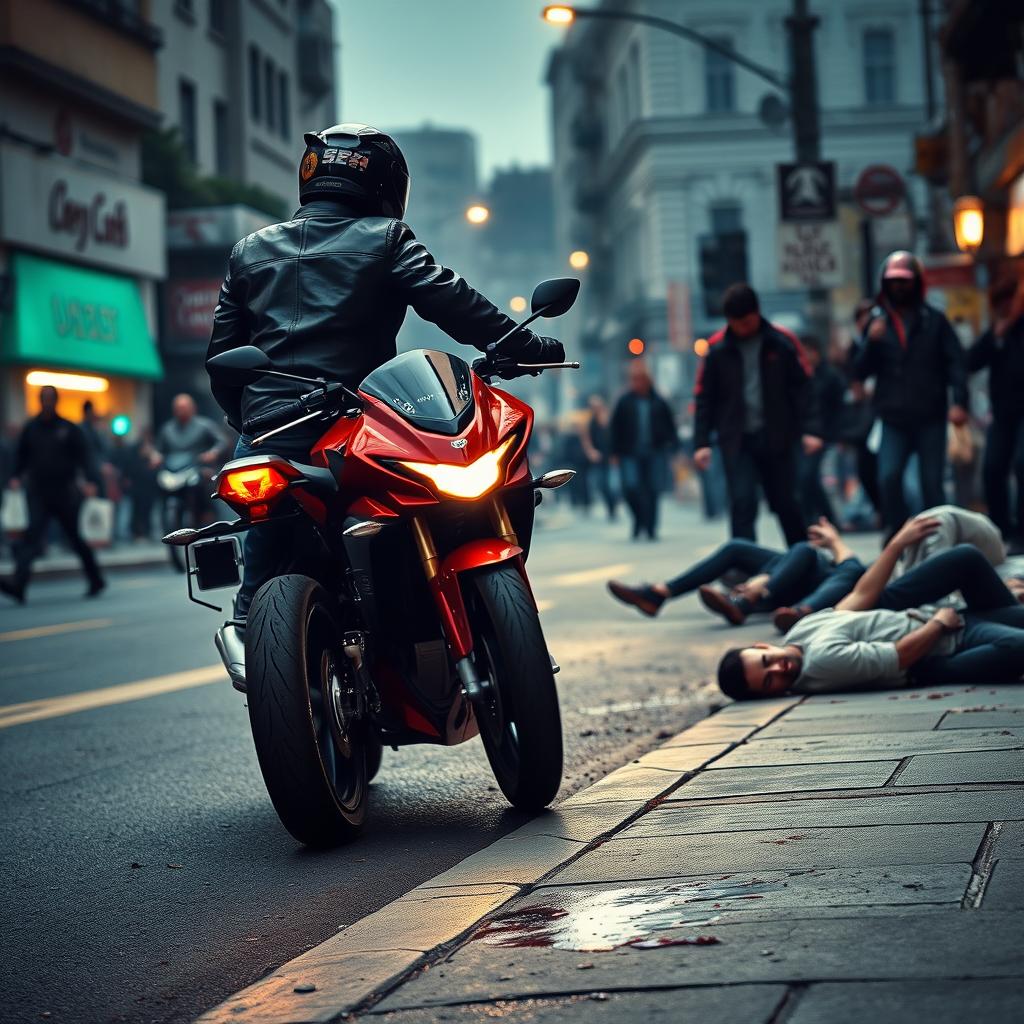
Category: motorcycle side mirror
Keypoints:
(241, 365)
(554, 297)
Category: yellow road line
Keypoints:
(59, 627)
(54, 707)
(598, 575)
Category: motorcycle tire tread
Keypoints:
(281, 719)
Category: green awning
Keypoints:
(68, 317)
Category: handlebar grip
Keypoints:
(275, 418)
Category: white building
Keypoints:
(242, 80)
(660, 148)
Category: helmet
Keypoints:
(355, 162)
(902, 264)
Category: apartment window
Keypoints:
(284, 105)
(187, 117)
(218, 17)
(879, 67)
(719, 79)
(221, 149)
(270, 92)
(726, 218)
(255, 84)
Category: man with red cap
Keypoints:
(916, 358)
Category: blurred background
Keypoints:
(639, 144)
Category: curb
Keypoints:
(356, 968)
(67, 566)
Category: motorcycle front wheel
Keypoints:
(517, 714)
(308, 745)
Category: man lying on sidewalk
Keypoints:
(801, 575)
(882, 634)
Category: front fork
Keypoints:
(444, 585)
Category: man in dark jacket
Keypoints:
(50, 455)
(1001, 350)
(643, 434)
(916, 359)
(829, 390)
(324, 294)
(754, 392)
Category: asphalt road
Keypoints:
(146, 876)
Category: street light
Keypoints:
(517, 304)
(636, 346)
(559, 14)
(969, 223)
(578, 259)
(478, 214)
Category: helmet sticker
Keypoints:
(346, 158)
(308, 167)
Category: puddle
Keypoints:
(593, 922)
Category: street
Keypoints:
(147, 874)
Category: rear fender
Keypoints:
(476, 554)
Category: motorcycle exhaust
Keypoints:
(230, 643)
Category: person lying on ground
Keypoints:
(886, 634)
(802, 575)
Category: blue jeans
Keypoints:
(267, 548)
(1004, 454)
(928, 442)
(835, 586)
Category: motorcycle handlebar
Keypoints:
(275, 418)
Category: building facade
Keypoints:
(666, 154)
(82, 242)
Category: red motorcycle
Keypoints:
(407, 616)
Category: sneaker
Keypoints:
(14, 592)
(96, 587)
(644, 598)
(721, 604)
(785, 619)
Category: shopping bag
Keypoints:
(96, 522)
(14, 512)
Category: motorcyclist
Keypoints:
(188, 433)
(324, 295)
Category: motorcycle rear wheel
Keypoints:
(518, 714)
(313, 761)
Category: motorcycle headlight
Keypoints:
(166, 479)
(468, 481)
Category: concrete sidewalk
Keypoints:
(831, 859)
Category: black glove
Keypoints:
(541, 350)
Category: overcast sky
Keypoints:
(474, 64)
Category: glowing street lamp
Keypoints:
(579, 259)
(559, 14)
(701, 346)
(478, 214)
(969, 223)
(517, 304)
(636, 346)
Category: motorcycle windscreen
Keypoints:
(433, 390)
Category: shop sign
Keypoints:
(190, 305)
(53, 206)
(810, 255)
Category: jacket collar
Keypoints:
(765, 330)
(327, 208)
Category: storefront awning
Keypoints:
(71, 317)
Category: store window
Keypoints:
(187, 117)
(255, 84)
(221, 148)
(719, 79)
(270, 93)
(284, 105)
(879, 67)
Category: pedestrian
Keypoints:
(829, 388)
(916, 360)
(97, 439)
(51, 454)
(754, 392)
(643, 436)
(597, 447)
(1000, 350)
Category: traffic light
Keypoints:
(120, 425)
(723, 261)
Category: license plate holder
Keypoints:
(215, 563)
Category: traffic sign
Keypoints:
(810, 255)
(879, 190)
(807, 191)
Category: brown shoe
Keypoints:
(645, 599)
(785, 619)
(721, 604)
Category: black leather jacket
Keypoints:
(324, 294)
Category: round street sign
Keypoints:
(879, 190)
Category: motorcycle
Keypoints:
(179, 480)
(408, 616)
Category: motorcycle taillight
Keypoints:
(252, 488)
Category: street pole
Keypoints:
(807, 135)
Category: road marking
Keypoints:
(598, 575)
(59, 627)
(55, 707)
